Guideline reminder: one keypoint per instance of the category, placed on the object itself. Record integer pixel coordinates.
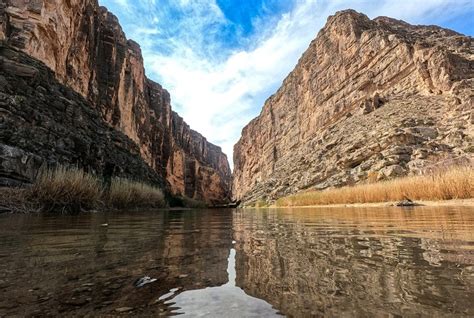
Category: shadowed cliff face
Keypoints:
(86, 48)
(43, 122)
(368, 99)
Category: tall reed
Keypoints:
(65, 189)
(454, 183)
(130, 194)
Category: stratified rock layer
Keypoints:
(43, 122)
(86, 48)
(369, 99)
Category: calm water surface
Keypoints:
(349, 262)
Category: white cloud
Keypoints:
(218, 91)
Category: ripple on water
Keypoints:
(234, 263)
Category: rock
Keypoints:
(396, 80)
(392, 171)
(81, 301)
(124, 309)
(93, 57)
(35, 134)
(143, 281)
(406, 203)
(18, 166)
(371, 104)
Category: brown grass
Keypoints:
(72, 190)
(130, 194)
(13, 200)
(455, 183)
(260, 204)
(65, 189)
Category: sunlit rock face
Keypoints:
(86, 48)
(346, 263)
(368, 99)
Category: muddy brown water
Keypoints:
(312, 262)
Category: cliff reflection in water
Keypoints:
(346, 262)
(252, 263)
(72, 265)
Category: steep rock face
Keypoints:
(43, 122)
(86, 48)
(368, 99)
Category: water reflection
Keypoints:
(242, 263)
(223, 301)
(358, 262)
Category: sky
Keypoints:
(221, 59)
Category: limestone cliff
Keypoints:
(369, 99)
(43, 122)
(88, 51)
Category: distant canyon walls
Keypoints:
(369, 100)
(88, 51)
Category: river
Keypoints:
(309, 262)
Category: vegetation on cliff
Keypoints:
(455, 183)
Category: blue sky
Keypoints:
(221, 59)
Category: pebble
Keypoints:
(123, 309)
(43, 299)
(115, 286)
(77, 301)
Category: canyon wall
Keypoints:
(43, 122)
(369, 100)
(84, 45)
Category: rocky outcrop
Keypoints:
(88, 51)
(43, 122)
(368, 100)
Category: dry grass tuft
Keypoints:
(455, 183)
(260, 204)
(72, 190)
(130, 194)
(66, 190)
(12, 200)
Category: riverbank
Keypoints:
(450, 185)
(71, 190)
(460, 203)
